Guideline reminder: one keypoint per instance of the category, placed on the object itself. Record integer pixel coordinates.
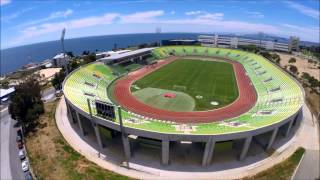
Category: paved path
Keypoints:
(310, 164)
(305, 136)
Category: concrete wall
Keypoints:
(244, 137)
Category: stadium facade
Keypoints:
(277, 109)
(235, 42)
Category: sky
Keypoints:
(26, 22)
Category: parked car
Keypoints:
(22, 154)
(19, 138)
(28, 176)
(19, 133)
(25, 165)
(20, 144)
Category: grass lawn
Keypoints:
(52, 158)
(283, 170)
(213, 80)
(155, 97)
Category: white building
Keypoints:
(110, 53)
(60, 60)
(234, 42)
(5, 93)
(136, 55)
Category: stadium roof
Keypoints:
(126, 54)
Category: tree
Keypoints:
(293, 69)
(58, 79)
(85, 52)
(292, 60)
(70, 53)
(4, 84)
(26, 104)
(275, 57)
(89, 58)
(250, 48)
(73, 64)
(266, 54)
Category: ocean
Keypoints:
(14, 58)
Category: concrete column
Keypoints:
(98, 135)
(69, 114)
(126, 147)
(289, 128)
(245, 148)
(80, 125)
(165, 151)
(272, 138)
(208, 152)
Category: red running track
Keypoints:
(245, 101)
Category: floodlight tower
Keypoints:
(158, 31)
(63, 50)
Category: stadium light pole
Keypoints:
(63, 50)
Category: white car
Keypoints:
(21, 154)
(25, 165)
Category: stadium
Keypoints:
(212, 97)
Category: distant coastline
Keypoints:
(14, 58)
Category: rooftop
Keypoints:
(126, 54)
(4, 92)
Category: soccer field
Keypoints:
(211, 84)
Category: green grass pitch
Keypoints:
(154, 97)
(212, 80)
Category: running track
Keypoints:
(246, 100)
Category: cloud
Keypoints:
(173, 12)
(255, 14)
(189, 13)
(60, 14)
(53, 15)
(4, 2)
(314, 13)
(205, 21)
(212, 16)
(141, 17)
(16, 14)
(306, 33)
(38, 30)
(205, 15)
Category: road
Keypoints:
(10, 162)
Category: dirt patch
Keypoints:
(313, 101)
(302, 64)
(52, 158)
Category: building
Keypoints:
(5, 94)
(92, 113)
(109, 53)
(294, 44)
(178, 42)
(235, 42)
(60, 60)
(133, 56)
